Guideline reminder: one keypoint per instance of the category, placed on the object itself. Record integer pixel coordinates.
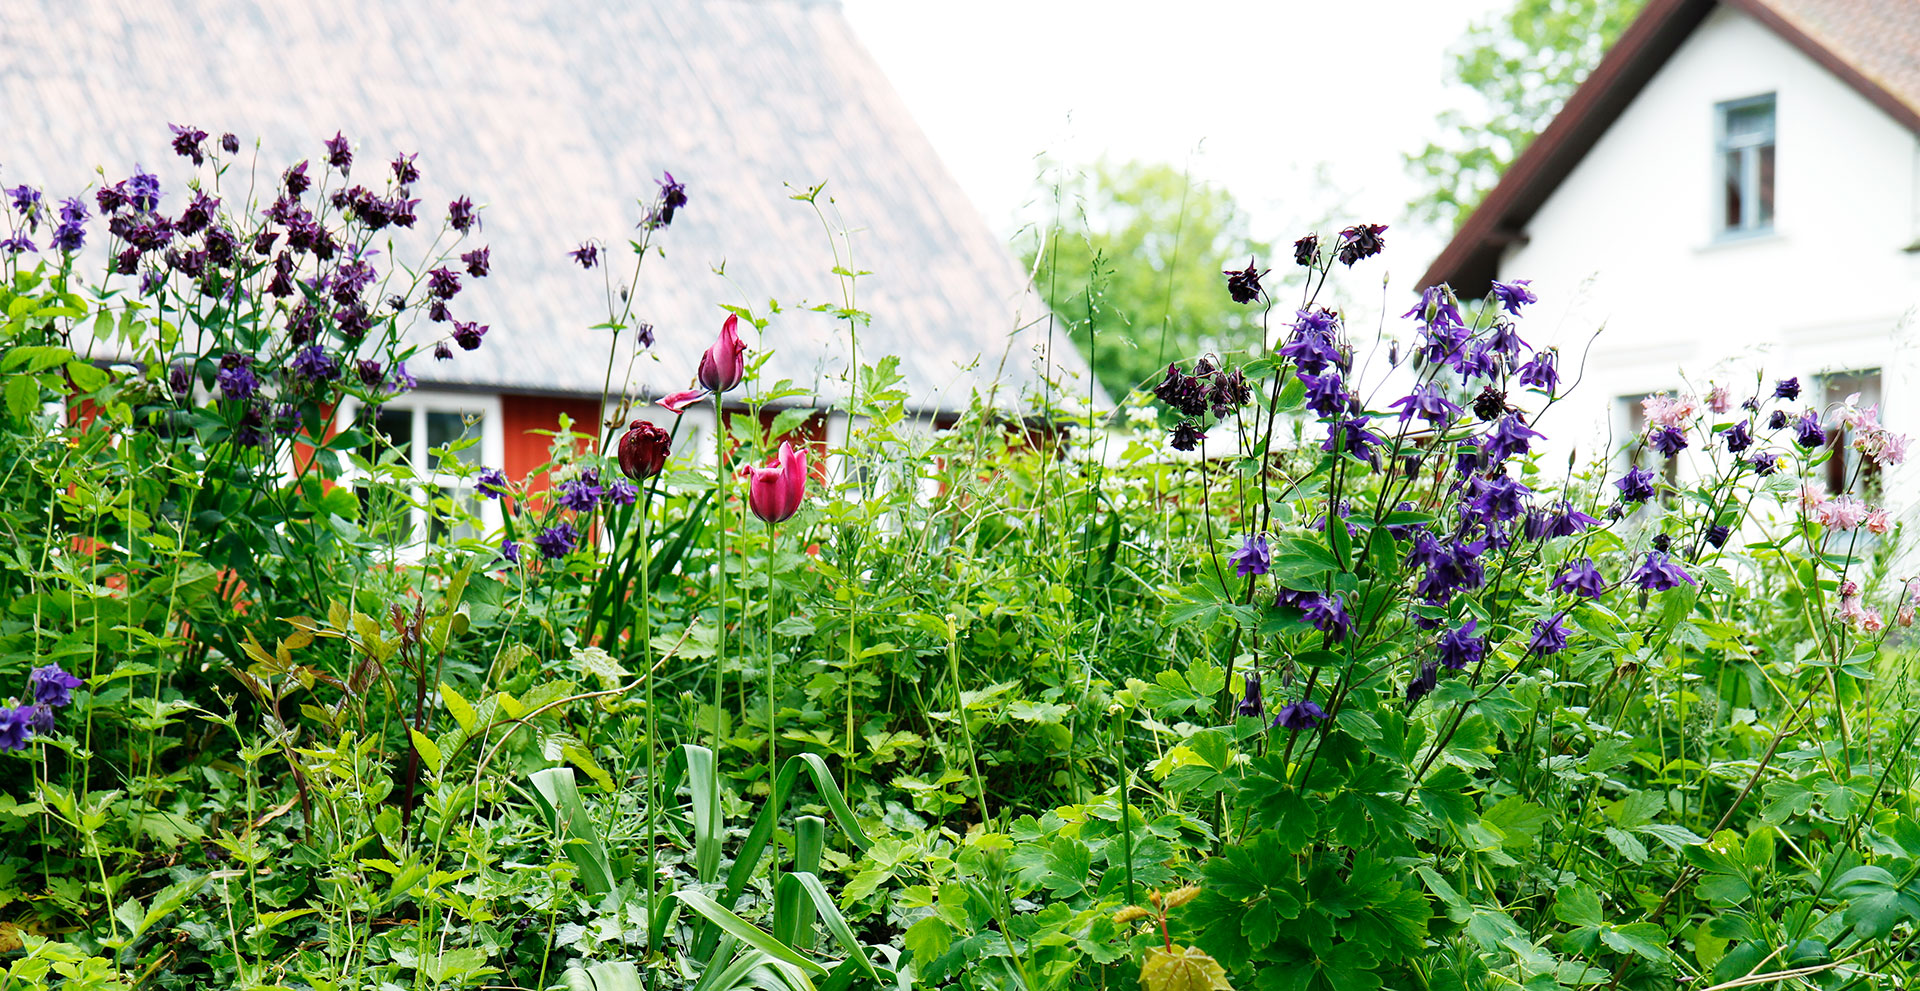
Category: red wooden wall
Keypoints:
(525, 450)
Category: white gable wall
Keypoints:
(1628, 242)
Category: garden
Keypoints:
(1300, 667)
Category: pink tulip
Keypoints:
(774, 492)
(725, 363)
(679, 401)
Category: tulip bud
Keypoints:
(774, 492)
(643, 450)
(724, 364)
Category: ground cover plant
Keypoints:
(1303, 667)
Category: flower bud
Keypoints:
(774, 492)
(643, 450)
(724, 364)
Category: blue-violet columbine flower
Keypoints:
(1513, 295)
(1253, 557)
(1549, 636)
(1427, 402)
(1328, 614)
(52, 686)
(557, 540)
(1459, 648)
(491, 483)
(15, 727)
(1302, 715)
(1788, 389)
(1658, 573)
(1807, 432)
(1738, 437)
(1637, 485)
(1580, 578)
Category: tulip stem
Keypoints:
(720, 542)
(773, 759)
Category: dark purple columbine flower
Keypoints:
(52, 686)
(1510, 436)
(1513, 295)
(1717, 535)
(491, 483)
(468, 334)
(1549, 636)
(510, 551)
(587, 254)
(353, 322)
(1459, 648)
(1187, 435)
(286, 420)
(1328, 614)
(1481, 362)
(15, 727)
(180, 377)
(1505, 341)
(1302, 715)
(1186, 394)
(18, 243)
(314, 364)
(1253, 557)
(1765, 463)
(1252, 704)
(1496, 498)
(1428, 402)
(441, 352)
(1537, 525)
(1567, 521)
(461, 215)
(142, 190)
(235, 378)
(340, 152)
(1244, 284)
(1352, 436)
(437, 311)
(557, 540)
(190, 142)
(479, 262)
(1669, 441)
(1423, 683)
(1658, 573)
(372, 375)
(1807, 432)
(401, 380)
(1776, 419)
(1788, 389)
(1314, 343)
(252, 431)
(1636, 485)
(1305, 249)
(443, 283)
(1361, 241)
(1580, 578)
(1228, 392)
(198, 214)
(643, 335)
(296, 181)
(221, 246)
(581, 494)
(230, 144)
(1325, 393)
(404, 171)
(673, 197)
(1437, 309)
(1542, 372)
(40, 719)
(1737, 437)
(622, 493)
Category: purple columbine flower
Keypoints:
(1187, 435)
(622, 493)
(1580, 578)
(180, 377)
(1459, 648)
(40, 719)
(491, 483)
(1776, 419)
(1717, 535)
(401, 379)
(443, 283)
(1305, 250)
(510, 551)
(189, 142)
(1496, 498)
(1509, 436)
(673, 197)
(16, 727)
(1737, 437)
(1325, 393)
(1549, 636)
(1253, 557)
(1252, 704)
(1513, 295)
(52, 686)
(1787, 389)
(467, 334)
(404, 171)
(1669, 441)
(1314, 342)
(340, 152)
(1765, 463)
(479, 262)
(230, 144)
(314, 364)
(1436, 308)
(141, 191)
(1244, 284)
(1361, 241)
(26, 202)
(1302, 715)
(372, 375)
(1352, 436)
(1427, 402)
(1567, 521)
(461, 216)
(1658, 573)
(557, 540)
(1636, 485)
(18, 243)
(1423, 683)
(1184, 393)
(235, 378)
(1807, 432)
(1328, 614)
(587, 254)
(1542, 372)
(581, 494)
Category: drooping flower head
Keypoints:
(15, 727)
(774, 492)
(1509, 436)
(1252, 704)
(1244, 285)
(1659, 573)
(1361, 241)
(340, 152)
(1423, 683)
(673, 196)
(1513, 295)
(1787, 389)
(1549, 636)
(1253, 557)
(491, 483)
(582, 492)
(587, 254)
(49, 685)
(1636, 485)
(556, 541)
(1428, 402)
(1459, 648)
(1542, 372)
(1302, 715)
(1580, 578)
(1669, 441)
(1328, 614)
(1305, 250)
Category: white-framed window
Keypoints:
(1744, 150)
(413, 425)
(1847, 470)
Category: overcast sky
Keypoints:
(1254, 95)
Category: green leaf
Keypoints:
(23, 396)
(1643, 938)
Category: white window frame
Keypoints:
(420, 402)
(1749, 146)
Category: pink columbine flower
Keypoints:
(1811, 496)
(1670, 411)
(1849, 588)
(1885, 447)
(1719, 400)
(1843, 513)
(1879, 521)
(1871, 622)
(1850, 609)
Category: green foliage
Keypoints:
(1523, 64)
(1130, 266)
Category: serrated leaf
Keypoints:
(1182, 968)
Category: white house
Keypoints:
(1733, 191)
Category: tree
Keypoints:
(1524, 64)
(1131, 266)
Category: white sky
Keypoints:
(1254, 95)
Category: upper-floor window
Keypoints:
(1746, 165)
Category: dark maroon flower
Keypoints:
(643, 450)
(296, 181)
(479, 262)
(221, 246)
(191, 262)
(352, 322)
(673, 196)
(1359, 242)
(339, 152)
(404, 171)
(441, 352)
(1187, 435)
(370, 372)
(1306, 250)
(128, 262)
(402, 211)
(110, 198)
(468, 335)
(461, 215)
(230, 144)
(1186, 394)
(1244, 285)
(188, 142)
(443, 283)
(643, 334)
(263, 242)
(437, 311)
(198, 213)
(587, 254)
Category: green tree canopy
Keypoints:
(1131, 266)
(1524, 64)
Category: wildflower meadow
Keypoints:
(1313, 667)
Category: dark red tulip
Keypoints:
(643, 450)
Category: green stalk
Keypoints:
(773, 744)
(720, 544)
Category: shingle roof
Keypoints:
(558, 114)
(1871, 45)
